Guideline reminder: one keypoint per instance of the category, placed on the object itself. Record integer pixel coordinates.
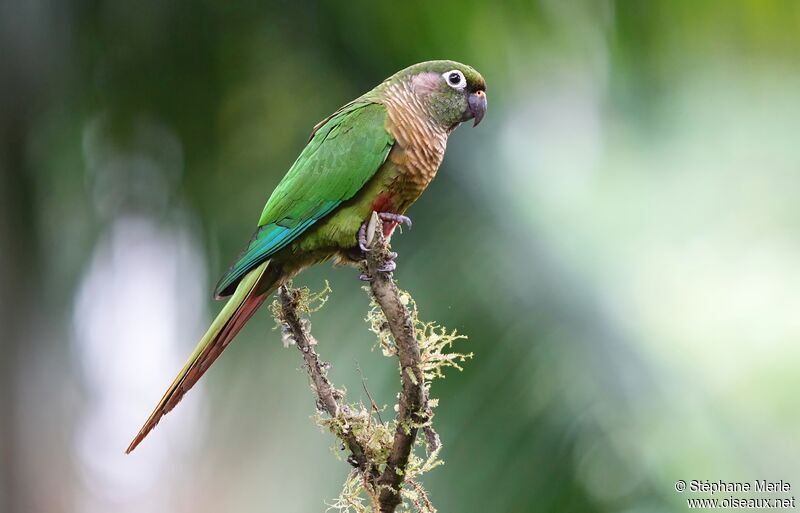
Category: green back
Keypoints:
(344, 151)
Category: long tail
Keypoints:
(234, 315)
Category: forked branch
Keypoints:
(381, 454)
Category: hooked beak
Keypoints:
(477, 106)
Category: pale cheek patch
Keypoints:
(426, 83)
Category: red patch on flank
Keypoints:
(385, 203)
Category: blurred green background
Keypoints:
(619, 239)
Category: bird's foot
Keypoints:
(389, 265)
(383, 216)
(395, 218)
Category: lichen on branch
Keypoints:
(387, 457)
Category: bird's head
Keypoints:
(450, 92)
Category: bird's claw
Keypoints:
(384, 216)
(395, 218)
(362, 238)
(388, 266)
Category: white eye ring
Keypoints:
(455, 79)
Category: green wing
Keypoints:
(344, 151)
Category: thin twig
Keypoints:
(372, 402)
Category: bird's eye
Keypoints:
(455, 79)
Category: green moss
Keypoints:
(359, 494)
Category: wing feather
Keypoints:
(344, 152)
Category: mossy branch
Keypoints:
(386, 468)
(412, 411)
(298, 331)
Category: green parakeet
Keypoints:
(376, 153)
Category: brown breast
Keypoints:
(420, 143)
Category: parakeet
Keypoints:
(377, 153)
